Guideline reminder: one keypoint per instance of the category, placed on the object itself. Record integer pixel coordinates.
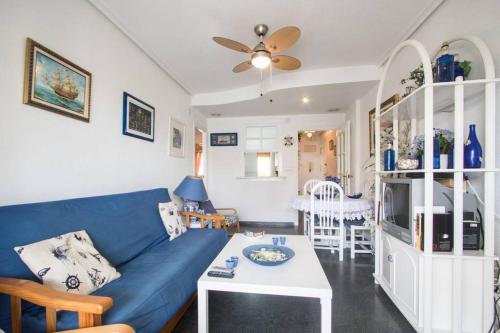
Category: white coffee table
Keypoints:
(302, 276)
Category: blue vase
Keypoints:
(445, 65)
(473, 153)
(451, 159)
(389, 159)
(420, 160)
(436, 158)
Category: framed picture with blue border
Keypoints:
(138, 118)
(224, 139)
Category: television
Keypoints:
(400, 196)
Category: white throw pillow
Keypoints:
(68, 263)
(171, 219)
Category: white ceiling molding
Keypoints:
(408, 33)
(99, 4)
(290, 80)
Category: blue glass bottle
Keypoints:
(436, 160)
(473, 153)
(451, 157)
(445, 65)
(389, 158)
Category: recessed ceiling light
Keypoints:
(305, 100)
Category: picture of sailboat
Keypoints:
(55, 83)
(63, 87)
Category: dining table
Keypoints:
(355, 210)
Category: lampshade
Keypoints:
(192, 188)
(261, 59)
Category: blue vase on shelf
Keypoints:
(445, 65)
(451, 159)
(436, 158)
(389, 158)
(473, 153)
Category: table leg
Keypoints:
(326, 315)
(202, 310)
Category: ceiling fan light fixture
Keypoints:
(261, 59)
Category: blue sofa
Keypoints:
(158, 276)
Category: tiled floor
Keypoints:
(358, 305)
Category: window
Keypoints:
(261, 155)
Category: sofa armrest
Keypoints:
(39, 294)
(118, 328)
(232, 210)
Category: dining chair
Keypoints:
(306, 191)
(327, 230)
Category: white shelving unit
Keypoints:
(436, 291)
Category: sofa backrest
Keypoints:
(120, 225)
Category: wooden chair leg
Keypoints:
(86, 320)
(15, 311)
(51, 319)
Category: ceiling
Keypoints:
(335, 33)
(289, 101)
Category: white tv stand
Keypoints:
(440, 291)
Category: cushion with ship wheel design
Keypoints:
(69, 263)
(171, 220)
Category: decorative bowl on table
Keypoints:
(407, 164)
(355, 195)
(268, 255)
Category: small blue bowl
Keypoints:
(355, 195)
(235, 259)
(230, 263)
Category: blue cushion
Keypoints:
(121, 226)
(208, 207)
(153, 286)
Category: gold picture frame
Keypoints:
(393, 100)
(54, 83)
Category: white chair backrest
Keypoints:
(323, 205)
(309, 185)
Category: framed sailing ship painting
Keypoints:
(54, 83)
(138, 118)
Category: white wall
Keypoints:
(46, 156)
(262, 201)
(453, 18)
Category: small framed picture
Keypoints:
(176, 140)
(224, 139)
(138, 118)
(54, 83)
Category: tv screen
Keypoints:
(396, 204)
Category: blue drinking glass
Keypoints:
(275, 241)
(282, 240)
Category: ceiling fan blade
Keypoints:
(285, 62)
(232, 44)
(282, 39)
(245, 65)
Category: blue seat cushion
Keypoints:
(153, 286)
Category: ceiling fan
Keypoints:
(262, 54)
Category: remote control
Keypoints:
(222, 269)
(220, 274)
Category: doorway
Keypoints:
(317, 155)
(200, 160)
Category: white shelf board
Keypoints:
(443, 97)
(438, 171)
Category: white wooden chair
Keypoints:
(306, 191)
(327, 232)
(361, 235)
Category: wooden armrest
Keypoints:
(118, 328)
(234, 211)
(41, 295)
(204, 217)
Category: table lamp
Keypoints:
(192, 190)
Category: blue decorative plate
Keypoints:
(268, 255)
(355, 195)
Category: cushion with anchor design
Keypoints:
(68, 263)
(171, 220)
